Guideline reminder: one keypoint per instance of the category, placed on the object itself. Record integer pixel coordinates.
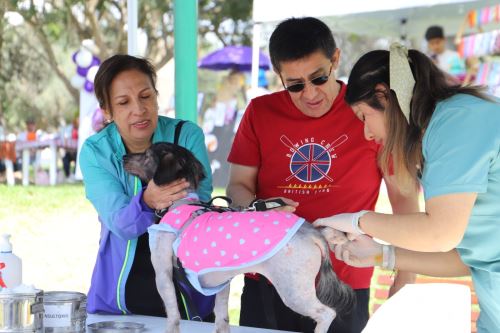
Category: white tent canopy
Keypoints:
(383, 18)
(380, 18)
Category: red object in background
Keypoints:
(74, 133)
(31, 136)
(2, 284)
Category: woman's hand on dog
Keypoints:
(160, 197)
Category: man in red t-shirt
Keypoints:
(306, 145)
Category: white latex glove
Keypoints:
(347, 222)
(363, 251)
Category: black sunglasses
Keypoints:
(317, 81)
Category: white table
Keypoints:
(157, 324)
(424, 307)
(416, 308)
(53, 145)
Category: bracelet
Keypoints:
(355, 221)
(388, 257)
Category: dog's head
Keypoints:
(165, 162)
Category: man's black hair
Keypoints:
(296, 38)
(433, 32)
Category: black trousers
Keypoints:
(255, 313)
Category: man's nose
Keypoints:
(310, 91)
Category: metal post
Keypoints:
(186, 56)
(132, 27)
(255, 55)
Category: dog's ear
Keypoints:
(167, 168)
(192, 169)
(142, 165)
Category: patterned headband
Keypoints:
(401, 77)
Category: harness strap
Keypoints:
(263, 205)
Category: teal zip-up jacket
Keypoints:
(117, 197)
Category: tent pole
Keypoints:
(186, 55)
(132, 27)
(255, 55)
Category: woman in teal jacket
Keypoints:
(123, 280)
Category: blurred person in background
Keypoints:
(30, 134)
(70, 154)
(447, 60)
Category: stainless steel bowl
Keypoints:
(115, 327)
(21, 312)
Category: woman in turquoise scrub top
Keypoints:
(447, 138)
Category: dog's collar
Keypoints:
(191, 197)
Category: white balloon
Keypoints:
(83, 58)
(91, 73)
(77, 81)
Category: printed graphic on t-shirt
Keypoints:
(310, 162)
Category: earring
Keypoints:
(108, 121)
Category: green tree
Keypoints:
(40, 47)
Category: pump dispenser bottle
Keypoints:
(10, 264)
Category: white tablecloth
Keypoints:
(416, 308)
(425, 307)
(157, 324)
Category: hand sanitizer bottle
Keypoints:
(10, 265)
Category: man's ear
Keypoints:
(336, 59)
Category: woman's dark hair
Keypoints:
(113, 66)
(296, 38)
(403, 147)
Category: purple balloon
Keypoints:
(88, 86)
(82, 71)
(74, 56)
(95, 61)
(97, 120)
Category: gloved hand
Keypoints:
(347, 222)
(364, 251)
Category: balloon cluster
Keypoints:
(87, 66)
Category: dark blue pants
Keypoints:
(255, 313)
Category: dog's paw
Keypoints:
(222, 325)
(173, 326)
(333, 236)
(223, 329)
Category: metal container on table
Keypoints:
(21, 312)
(116, 327)
(65, 312)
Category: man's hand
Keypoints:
(160, 197)
(290, 205)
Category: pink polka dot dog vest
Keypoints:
(216, 241)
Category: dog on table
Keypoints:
(214, 246)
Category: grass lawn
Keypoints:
(55, 231)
